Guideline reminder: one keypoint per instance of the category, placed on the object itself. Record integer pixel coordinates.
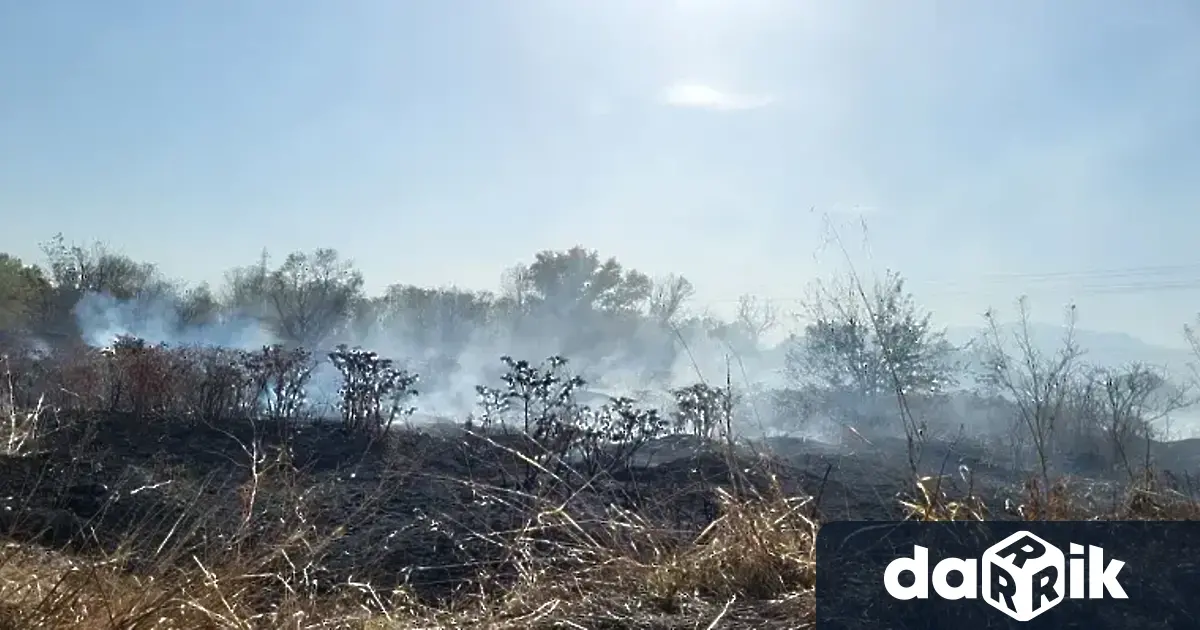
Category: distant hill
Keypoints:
(1110, 349)
(1107, 349)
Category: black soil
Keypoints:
(425, 506)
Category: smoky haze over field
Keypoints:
(463, 355)
(624, 332)
(460, 355)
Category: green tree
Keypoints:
(435, 317)
(24, 294)
(246, 288)
(871, 344)
(75, 270)
(306, 300)
(198, 306)
(578, 281)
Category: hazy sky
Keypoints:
(993, 148)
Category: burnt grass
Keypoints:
(431, 507)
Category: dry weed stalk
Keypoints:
(932, 504)
(22, 427)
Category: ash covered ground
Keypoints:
(423, 506)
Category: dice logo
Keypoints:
(1023, 576)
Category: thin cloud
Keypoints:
(699, 96)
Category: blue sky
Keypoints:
(992, 148)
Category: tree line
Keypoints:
(862, 352)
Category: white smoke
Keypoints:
(643, 364)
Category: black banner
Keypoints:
(971, 575)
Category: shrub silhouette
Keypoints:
(374, 393)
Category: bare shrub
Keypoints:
(374, 393)
(81, 376)
(1040, 387)
(614, 434)
(1122, 408)
(279, 377)
(225, 389)
(143, 378)
(536, 395)
(542, 399)
(702, 410)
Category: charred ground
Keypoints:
(429, 507)
(205, 470)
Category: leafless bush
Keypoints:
(556, 435)
(279, 376)
(79, 379)
(373, 393)
(1121, 409)
(614, 434)
(224, 388)
(536, 394)
(702, 410)
(1066, 409)
(542, 399)
(1040, 387)
(143, 378)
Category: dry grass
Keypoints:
(752, 567)
(623, 574)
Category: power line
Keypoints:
(1126, 281)
(1095, 273)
